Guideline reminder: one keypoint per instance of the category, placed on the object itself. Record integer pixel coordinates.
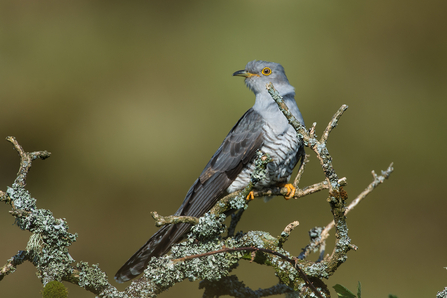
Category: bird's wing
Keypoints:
(238, 149)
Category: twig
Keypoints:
(290, 227)
(333, 123)
(312, 130)
(378, 179)
(376, 182)
(12, 263)
(25, 160)
(299, 193)
(285, 234)
(305, 160)
(172, 219)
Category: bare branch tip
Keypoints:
(16, 145)
(291, 226)
(343, 181)
(312, 130)
(353, 247)
(11, 139)
(390, 168)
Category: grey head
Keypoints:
(259, 73)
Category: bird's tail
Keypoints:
(157, 245)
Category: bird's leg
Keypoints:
(250, 196)
(290, 191)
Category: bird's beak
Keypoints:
(244, 73)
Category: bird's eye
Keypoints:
(266, 71)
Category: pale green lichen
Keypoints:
(164, 272)
(317, 270)
(260, 172)
(209, 226)
(91, 277)
(238, 202)
(48, 245)
(21, 198)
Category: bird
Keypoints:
(263, 127)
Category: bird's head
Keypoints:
(259, 73)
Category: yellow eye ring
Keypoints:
(266, 71)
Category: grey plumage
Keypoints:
(263, 127)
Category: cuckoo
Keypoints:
(263, 127)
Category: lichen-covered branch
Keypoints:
(12, 263)
(376, 182)
(206, 254)
(286, 233)
(337, 195)
(319, 242)
(172, 219)
(48, 245)
(292, 261)
(318, 146)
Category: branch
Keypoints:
(172, 219)
(12, 263)
(286, 233)
(302, 167)
(376, 182)
(337, 195)
(26, 159)
(292, 261)
(299, 193)
(332, 124)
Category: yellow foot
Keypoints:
(250, 196)
(290, 191)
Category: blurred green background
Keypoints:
(133, 97)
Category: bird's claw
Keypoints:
(250, 196)
(290, 191)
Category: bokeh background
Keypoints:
(133, 97)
